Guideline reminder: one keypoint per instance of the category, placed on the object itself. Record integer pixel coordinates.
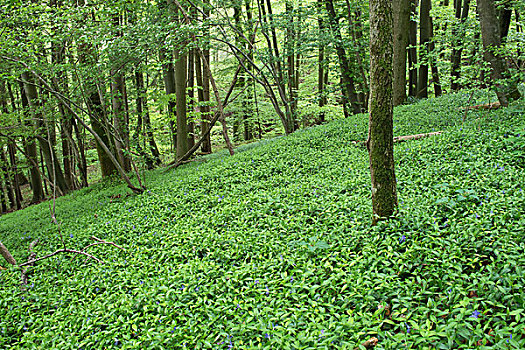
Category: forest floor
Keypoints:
(272, 248)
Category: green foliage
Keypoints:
(272, 248)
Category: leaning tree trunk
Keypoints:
(347, 81)
(490, 33)
(380, 135)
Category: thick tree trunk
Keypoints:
(380, 137)
(401, 14)
(490, 33)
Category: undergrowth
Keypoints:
(272, 248)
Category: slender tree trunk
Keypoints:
(206, 144)
(43, 135)
(11, 147)
(401, 15)
(424, 40)
(490, 33)
(191, 95)
(180, 92)
(380, 137)
(7, 177)
(438, 91)
(120, 119)
(461, 16)
(153, 158)
(321, 63)
(169, 84)
(412, 52)
(32, 155)
(347, 82)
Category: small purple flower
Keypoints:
(267, 290)
(267, 336)
(408, 328)
(510, 338)
(501, 168)
(402, 239)
(256, 281)
(71, 235)
(475, 314)
(173, 330)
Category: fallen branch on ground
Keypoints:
(398, 139)
(33, 259)
(489, 106)
(416, 136)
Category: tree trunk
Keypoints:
(424, 39)
(205, 125)
(347, 82)
(461, 16)
(43, 135)
(120, 119)
(191, 95)
(380, 137)
(180, 92)
(32, 155)
(401, 14)
(490, 33)
(321, 64)
(438, 91)
(169, 85)
(412, 52)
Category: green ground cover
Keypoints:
(272, 248)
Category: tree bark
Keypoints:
(461, 16)
(424, 39)
(380, 135)
(401, 13)
(347, 81)
(180, 92)
(43, 135)
(412, 52)
(32, 155)
(491, 36)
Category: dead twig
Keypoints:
(100, 241)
